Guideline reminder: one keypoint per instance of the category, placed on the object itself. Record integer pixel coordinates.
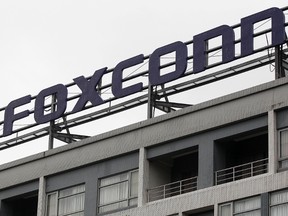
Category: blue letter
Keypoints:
(10, 117)
(278, 30)
(155, 77)
(60, 93)
(200, 42)
(88, 89)
(117, 89)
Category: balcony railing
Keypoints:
(242, 171)
(172, 189)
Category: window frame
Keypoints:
(58, 198)
(279, 157)
(278, 204)
(232, 204)
(129, 197)
(225, 204)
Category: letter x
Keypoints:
(89, 92)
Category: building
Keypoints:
(224, 157)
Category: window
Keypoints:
(279, 203)
(66, 202)
(170, 175)
(201, 212)
(283, 149)
(20, 205)
(118, 191)
(245, 207)
(234, 162)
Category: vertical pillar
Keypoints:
(150, 102)
(264, 204)
(206, 164)
(143, 177)
(41, 197)
(216, 211)
(278, 62)
(52, 123)
(272, 143)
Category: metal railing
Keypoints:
(172, 189)
(242, 171)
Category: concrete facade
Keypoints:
(203, 128)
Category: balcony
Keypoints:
(22, 205)
(173, 174)
(172, 189)
(241, 171)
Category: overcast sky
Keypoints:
(43, 43)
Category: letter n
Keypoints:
(200, 46)
(247, 29)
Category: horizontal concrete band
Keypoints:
(211, 196)
(202, 117)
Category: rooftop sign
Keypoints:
(88, 87)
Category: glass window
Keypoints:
(246, 207)
(66, 202)
(283, 149)
(226, 209)
(118, 191)
(279, 203)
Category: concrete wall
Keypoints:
(116, 151)
(211, 196)
(209, 157)
(226, 110)
(90, 175)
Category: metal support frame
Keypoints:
(53, 130)
(281, 62)
(65, 137)
(152, 99)
(165, 106)
(150, 102)
(52, 123)
(69, 138)
(144, 99)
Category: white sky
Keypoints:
(43, 43)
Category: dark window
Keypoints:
(25, 205)
(240, 157)
(173, 174)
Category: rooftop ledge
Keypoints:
(140, 125)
